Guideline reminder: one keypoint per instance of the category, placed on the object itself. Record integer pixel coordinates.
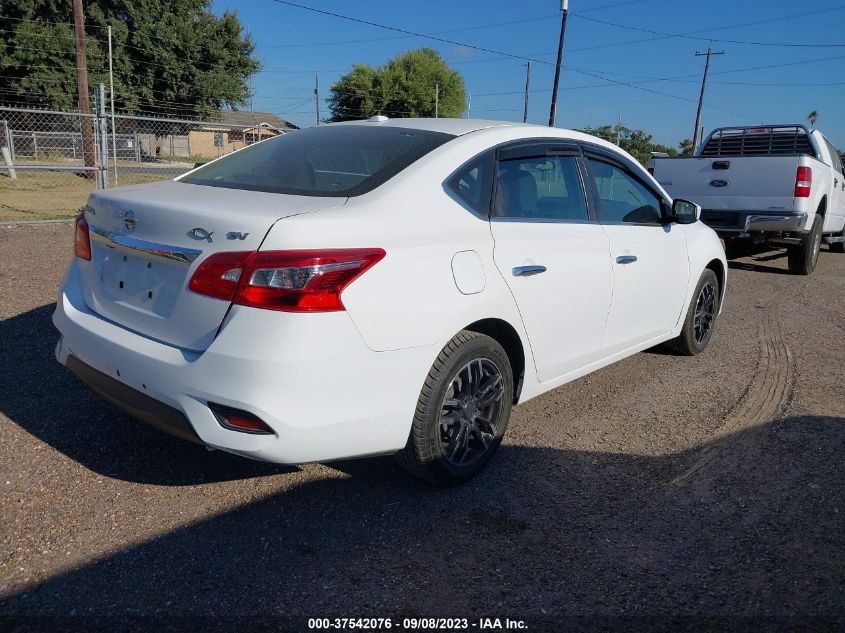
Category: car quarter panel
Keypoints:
(308, 376)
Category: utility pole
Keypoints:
(111, 103)
(695, 134)
(317, 97)
(436, 101)
(564, 7)
(104, 138)
(85, 122)
(527, 82)
(618, 128)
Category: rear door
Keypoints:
(648, 255)
(836, 207)
(552, 253)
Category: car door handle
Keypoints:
(527, 271)
(626, 259)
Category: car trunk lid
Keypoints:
(147, 240)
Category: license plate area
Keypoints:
(139, 281)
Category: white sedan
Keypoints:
(381, 286)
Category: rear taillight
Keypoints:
(291, 281)
(803, 182)
(82, 239)
(217, 276)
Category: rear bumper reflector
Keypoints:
(237, 420)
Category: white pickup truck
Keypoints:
(780, 184)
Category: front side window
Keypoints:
(540, 188)
(332, 160)
(621, 197)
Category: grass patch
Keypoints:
(51, 195)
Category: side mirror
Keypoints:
(685, 212)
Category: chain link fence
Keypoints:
(52, 160)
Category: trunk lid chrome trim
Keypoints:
(165, 251)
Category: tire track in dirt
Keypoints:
(769, 391)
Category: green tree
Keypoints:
(686, 147)
(172, 56)
(636, 142)
(812, 117)
(406, 86)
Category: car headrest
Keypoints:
(516, 193)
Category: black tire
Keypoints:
(838, 247)
(736, 248)
(803, 257)
(700, 320)
(449, 412)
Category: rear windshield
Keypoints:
(334, 160)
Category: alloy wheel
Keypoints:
(471, 412)
(705, 312)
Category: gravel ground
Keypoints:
(657, 488)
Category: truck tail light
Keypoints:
(290, 281)
(803, 182)
(82, 239)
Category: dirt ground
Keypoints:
(52, 195)
(660, 493)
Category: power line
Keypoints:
(37, 21)
(701, 38)
(408, 32)
(708, 30)
(402, 37)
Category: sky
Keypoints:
(614, 67)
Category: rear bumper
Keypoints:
(134, 403)
(739, 223)
(310, 377)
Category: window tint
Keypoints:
(622, 198)
(473, 183)
(547, 188)
(334, 160)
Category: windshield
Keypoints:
(334, 160)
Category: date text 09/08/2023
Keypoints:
(417, 624)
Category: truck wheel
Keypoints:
(803, 257)
(838, 247)
(701, 317)
(462, 413)
(736, 248)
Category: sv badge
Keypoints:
(236, 235)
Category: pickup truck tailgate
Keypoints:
(747, 183)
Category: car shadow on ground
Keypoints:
(49, 402)
(751, 523)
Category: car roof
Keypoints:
(457, 127)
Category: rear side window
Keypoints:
(834, 156)
(473, 183)
(334, 161)
(542, 188)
